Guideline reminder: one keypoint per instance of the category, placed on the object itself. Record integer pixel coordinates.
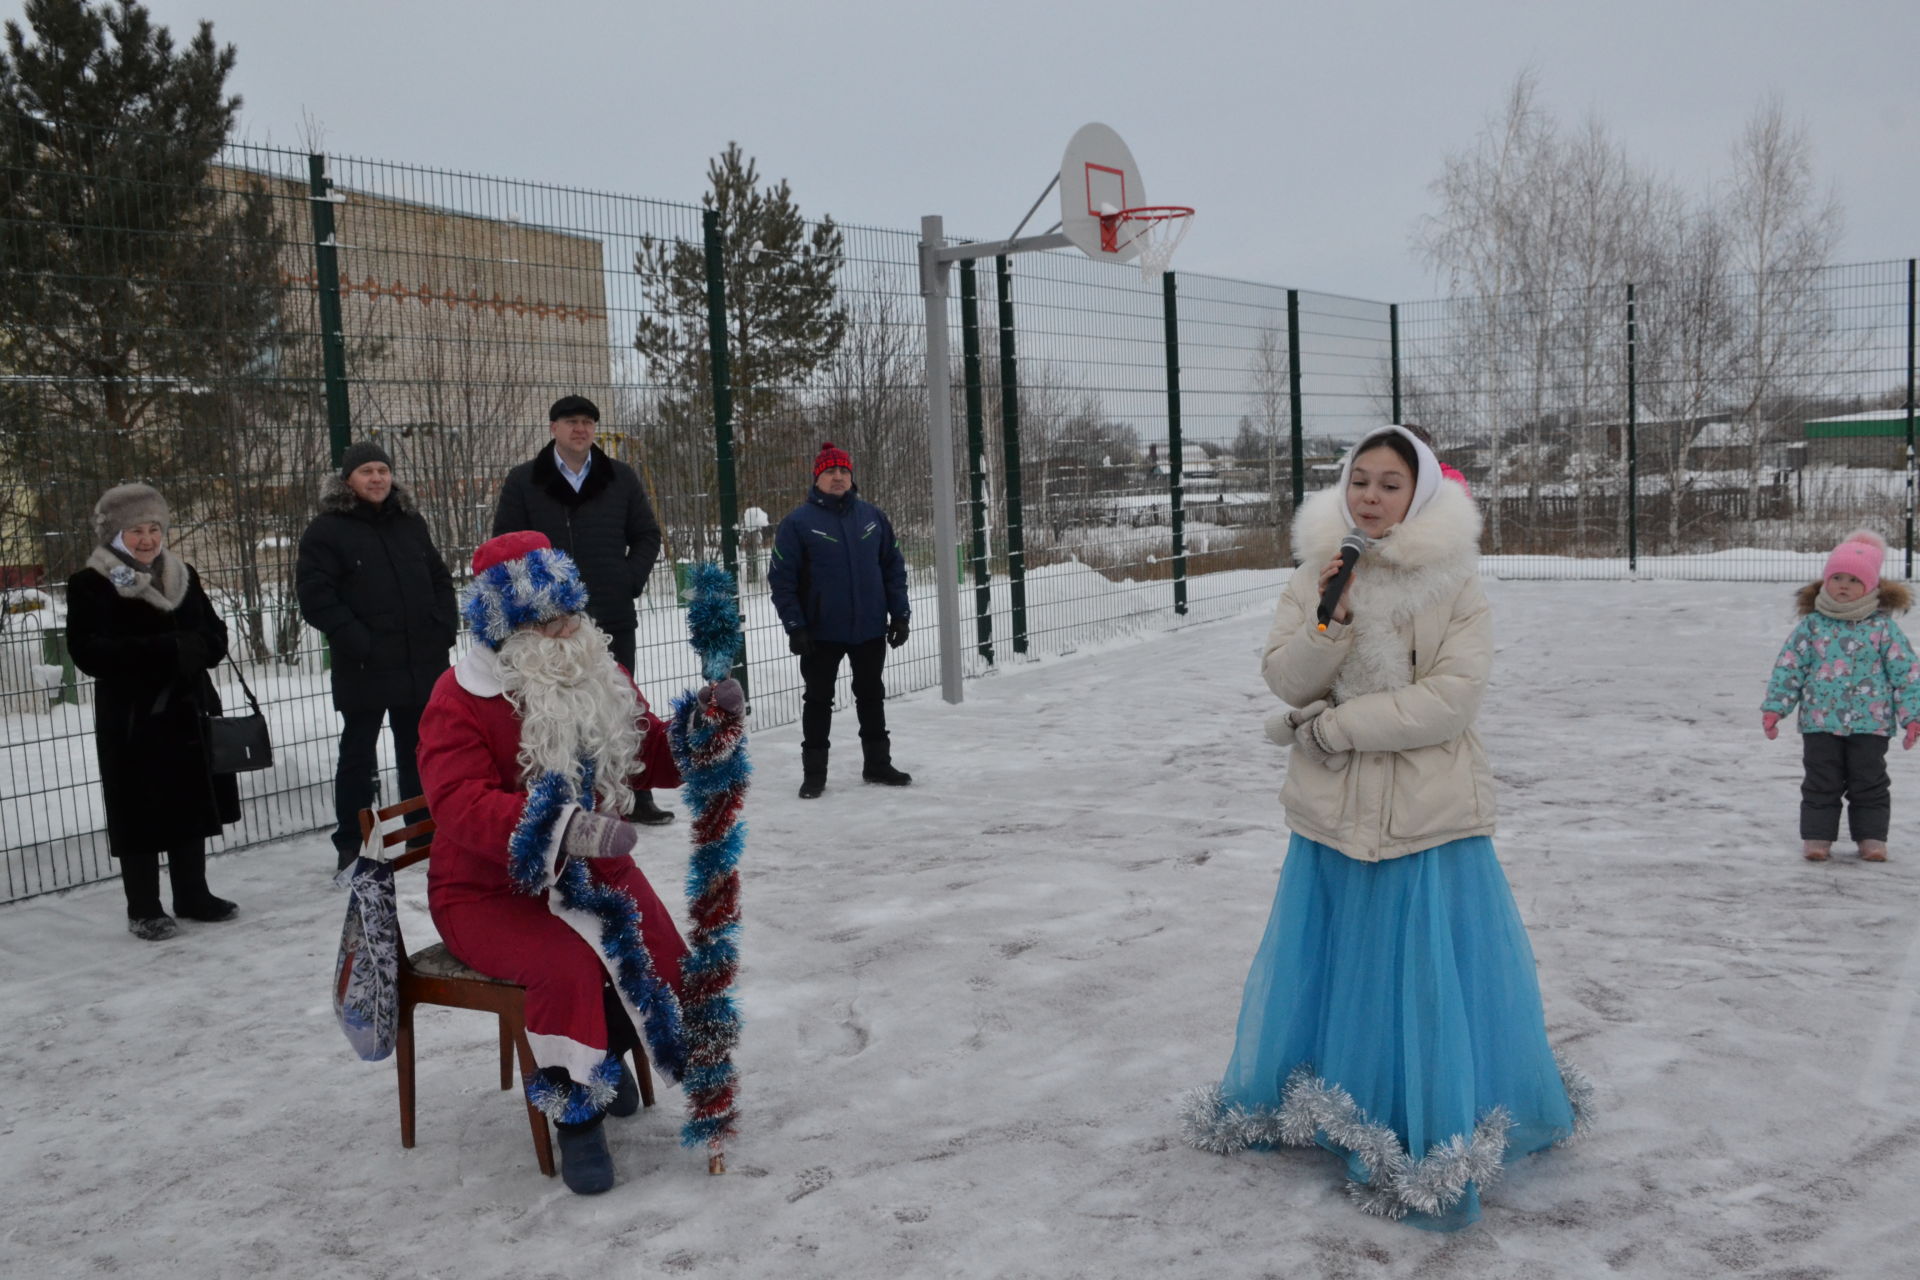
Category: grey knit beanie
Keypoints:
(126, 505)
(359, 455)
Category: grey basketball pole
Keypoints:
(936, 262)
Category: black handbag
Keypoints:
(238, 744)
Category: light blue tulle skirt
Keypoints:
(1392, 1015)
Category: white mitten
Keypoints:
(1309, 743)
(1283, 725)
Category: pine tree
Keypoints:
(784, 319)
(134, 290)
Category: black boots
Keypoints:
(879, 764)
(813, 772)
(586, 1166)
(646, 812)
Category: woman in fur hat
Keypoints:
(1849, 668)
(139, 624)
(1392, 1014)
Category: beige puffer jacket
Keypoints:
(1405, 678)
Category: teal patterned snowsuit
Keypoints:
(1847, 677)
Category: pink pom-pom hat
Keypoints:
(1861, 555)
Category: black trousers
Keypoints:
(186, 870)
(821, 668)
(1853, 766)
(355, 777)
(621, 643)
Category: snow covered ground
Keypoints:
(971, 1006)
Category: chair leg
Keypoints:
(403, 1065)
(643, 1073)
(506, 1055)
(542, 1139)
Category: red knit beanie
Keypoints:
(830, 455)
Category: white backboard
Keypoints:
(1098, 175)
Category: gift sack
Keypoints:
(366, 975)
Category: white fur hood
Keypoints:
(1418, 565)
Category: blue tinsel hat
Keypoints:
(519, 579)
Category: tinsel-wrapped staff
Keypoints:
(708, 736)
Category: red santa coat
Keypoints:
(510, 905)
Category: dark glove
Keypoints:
(897, 633)
(727, 695)
(598, 835)
(798, 641)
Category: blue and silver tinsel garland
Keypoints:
(709, 746)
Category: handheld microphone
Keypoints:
(1350, 548)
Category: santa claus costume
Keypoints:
(529, 733)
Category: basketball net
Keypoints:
(1155, 230)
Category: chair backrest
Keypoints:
(424, 826)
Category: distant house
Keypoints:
(1194, 463)
(1874, 438)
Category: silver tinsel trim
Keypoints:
(1396, 1184)
(1579, 1093)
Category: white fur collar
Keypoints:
(163, 587)
(1419, 563)
(479, 673)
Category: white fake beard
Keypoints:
(574, 704)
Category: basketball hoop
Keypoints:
(1154, 230)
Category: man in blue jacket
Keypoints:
(840, 586)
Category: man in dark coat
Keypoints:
(370, 580)
(595, 509)
(839, 584)
(139, 623)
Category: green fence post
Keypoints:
(1175, 453)
(1910, 459)
(976, 459)
(53, 648)
(1010, 444)
(1294, 411)
(333, 339)
(1393, 354)
(1633, 439)
(721, 378)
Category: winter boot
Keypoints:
(207, 910)
(646, 812)
(626, 1097)
(1873, 851)
(1816, 850)
(153, 929)
(586, 1166)
(879, 764)
(813, 772)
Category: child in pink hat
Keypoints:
(1850, 670)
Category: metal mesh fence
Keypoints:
(1128, 454)
(1715, 426)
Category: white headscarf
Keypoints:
(1425, 485)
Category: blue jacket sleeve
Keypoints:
(1789, 671)
(783, 576)
(893, 573)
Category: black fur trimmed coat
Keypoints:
(607, 527)
(149, 640)
(371, 581)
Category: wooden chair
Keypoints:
(432, 976)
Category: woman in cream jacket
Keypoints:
(1391, 1014)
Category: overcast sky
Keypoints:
(1305, 133)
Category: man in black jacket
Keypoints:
(595, 509)
(370, 580)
